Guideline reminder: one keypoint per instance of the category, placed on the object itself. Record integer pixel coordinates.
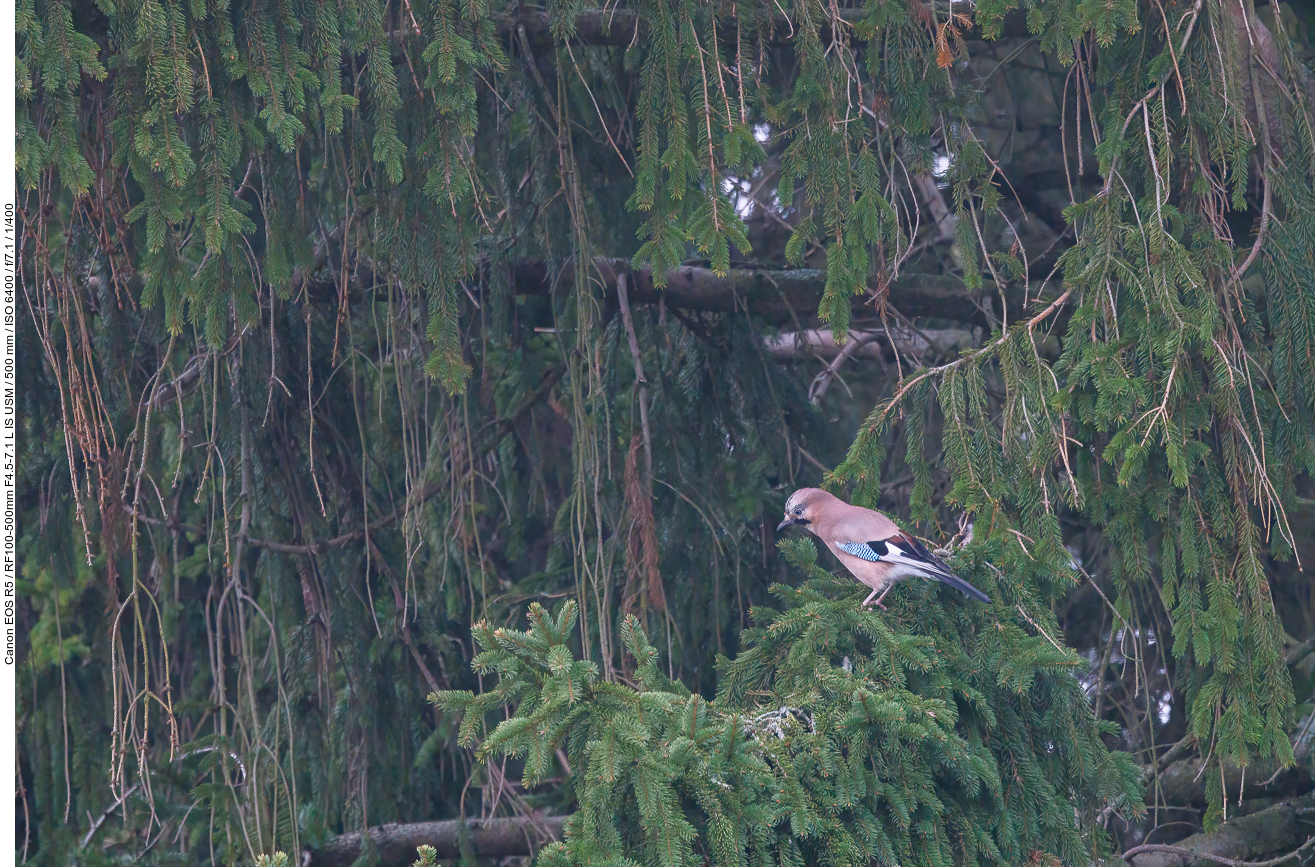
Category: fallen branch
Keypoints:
(1178, 783)
(396, 844)
(1217, 859)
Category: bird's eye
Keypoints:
(799, 511)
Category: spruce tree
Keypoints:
(838, 737)
(352, 332)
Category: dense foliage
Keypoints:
(355, 329)
(838, 737)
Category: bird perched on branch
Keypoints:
(875, 551)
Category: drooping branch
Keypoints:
(1255, 45)
(396, 844)
(301, 278)
(486, 438)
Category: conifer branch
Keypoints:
(821, 343)
(909, 384)
(769, 293)
(1300, 652)
(765, 292)
(132, 229)
(1182, 784)
(623, 27)
(1283, 826)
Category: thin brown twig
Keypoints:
(823, 380)
(1265, 206)
(993, 345)
(95, 826)
(589, 91)
(1039, 628)
(1150, 94)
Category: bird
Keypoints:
(867, 543)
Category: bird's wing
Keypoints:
(898, 550)
(910, 547)
(902, 549)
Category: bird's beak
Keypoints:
(787, 522)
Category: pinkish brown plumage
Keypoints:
(867, 543)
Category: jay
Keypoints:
(867, 543)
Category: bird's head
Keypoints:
(802, 507)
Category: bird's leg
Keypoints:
(879, 598)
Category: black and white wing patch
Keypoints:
(908, 556)
(862, 550)
(908, 550)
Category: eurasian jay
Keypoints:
(868, 544)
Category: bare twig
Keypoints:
(823, 380)
(977, 353)
(1040, 629)
(95, 826)
(1265, 206)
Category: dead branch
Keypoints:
(1284, 828)
(769, 294)
(396, 844)
(788, 346)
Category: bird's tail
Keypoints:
(961, 585)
